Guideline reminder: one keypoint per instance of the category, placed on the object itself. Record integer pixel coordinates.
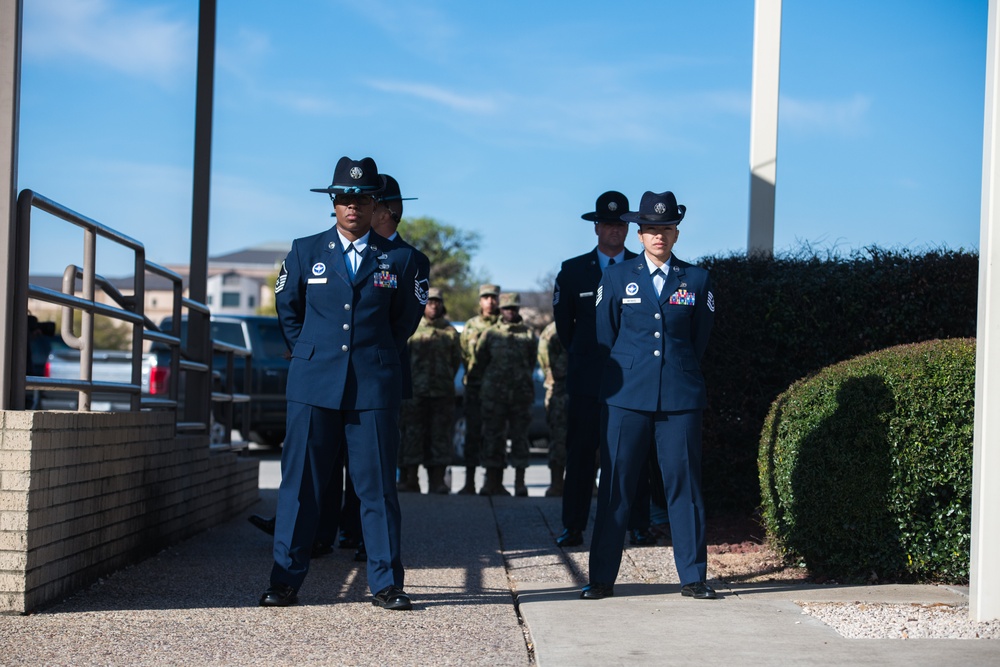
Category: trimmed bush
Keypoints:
(779, 320)
(866, 467)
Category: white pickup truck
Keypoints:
(109, 366)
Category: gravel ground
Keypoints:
(901, 621)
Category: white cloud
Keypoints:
(142, 42)
(473, 104)
(845, 117)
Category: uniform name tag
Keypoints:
(385, 279)
(313, 281)
(586, 294)
(682, 298)
(632, 300)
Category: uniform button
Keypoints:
(656, 353)
(344, 348)
(347, 327)
(656, 334)
(657, 316)
(347, 306)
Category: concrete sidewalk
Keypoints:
(489, 587)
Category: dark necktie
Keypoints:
(611, 261)
(349, 254)
(659, 278)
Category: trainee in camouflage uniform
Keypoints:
(489, 313)
(504, 361)
(428, 418)
(552, 359)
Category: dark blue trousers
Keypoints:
(677, 439)
(585, 424)
(314, 438)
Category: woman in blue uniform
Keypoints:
(654, 315)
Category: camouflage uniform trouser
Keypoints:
(472, 407)
(427, 428)
(501, 421)
(555, 413)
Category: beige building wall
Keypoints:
(84, 494)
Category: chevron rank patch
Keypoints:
(420, 287)
(279, 284)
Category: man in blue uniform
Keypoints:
(573, 306)
(654, 315)
(347, 299)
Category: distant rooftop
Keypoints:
(269, 254)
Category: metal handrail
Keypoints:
(130, 310)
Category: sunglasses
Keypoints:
(351, 200)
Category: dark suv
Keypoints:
(269, 366)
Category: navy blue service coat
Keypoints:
(654, 391)
(345, 387)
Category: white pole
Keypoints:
(764, 126)
(984, 589)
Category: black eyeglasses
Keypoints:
(349, 200)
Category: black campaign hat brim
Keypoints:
(596, 217)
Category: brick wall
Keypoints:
(85, 493)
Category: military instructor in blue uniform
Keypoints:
(573, 308)
(347, 300)
(654, 315)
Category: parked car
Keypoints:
(109, 366)
(269, 367)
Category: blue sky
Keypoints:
(505, 118)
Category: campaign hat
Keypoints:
(391, 196)
(354, 177)
(609, 208)
(657, 209)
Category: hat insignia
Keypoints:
(613, 206)
(660, 208)
(356, 173)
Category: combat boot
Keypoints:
(555, 489)
(494, 483)
(520, 490)
(435, 481)
(470, 482)
(409, 480)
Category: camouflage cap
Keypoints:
(489, 290)
(435, 293)
(510, 300)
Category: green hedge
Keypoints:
(866, 467)
(779, 320)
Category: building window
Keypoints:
(230, 299)
(208, 300)
(251, 302)
(230, 279)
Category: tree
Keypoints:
(268, 307)
(450, 251)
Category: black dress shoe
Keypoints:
(699, 590)
(570, 538)
(361, 555)
(597, 591)
(392, 597)
(279, 595)
(641, 537)
(263, 523)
